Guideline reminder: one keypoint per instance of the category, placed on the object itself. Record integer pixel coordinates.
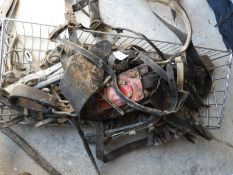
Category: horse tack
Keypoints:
(132, 102)
(23, 96)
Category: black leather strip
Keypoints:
(4, 97)
(23, 96)
(136, 126)
(126, 148)
(100, 141)
(7, 8)
(80, 5)
(75, 123)
(153, 65)
(30, 151)
(159, 52)
(103, 137)
(193, 58)
(71, 20)
(12, 122)
(174, 5)
(173, 88)
(150, 80)
(95, 19)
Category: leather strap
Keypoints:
(12, 122)
(95, 19)
(150, 80)
(153, 65)
(30, 151)
(75, 123)
(80, 5)
(23, 96)
(4, 97)
(7, 8)
(102, 137)
(118, 29)
(193, 58)
(174, 5)
(71, 20)
(173, 88)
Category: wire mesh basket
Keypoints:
(33, 38)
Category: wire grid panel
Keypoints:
(33, 38)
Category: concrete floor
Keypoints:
(62, 146)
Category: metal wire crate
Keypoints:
(33, 39)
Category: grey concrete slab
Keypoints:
(62, 146)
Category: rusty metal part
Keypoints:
(24, 96)
(112, 105)
(51, 57)
(130, 85)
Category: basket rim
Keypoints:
(107, 33)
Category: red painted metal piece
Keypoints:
(129, 83)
